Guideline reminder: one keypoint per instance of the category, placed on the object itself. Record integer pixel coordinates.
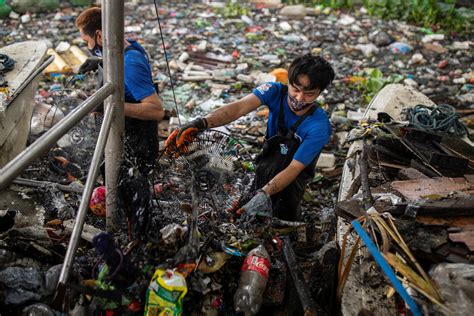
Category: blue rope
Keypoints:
(379, 259)
(441, 119)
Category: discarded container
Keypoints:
(297, 11)
(97, 203)
(281, 75)
(416, 59)
(171, 233)
(213, 262)
(432, 37)
(285, 26)
(253, 280)
(25, 18)
(367, 49)
(59, 65)
(398, 47)
(326, 160)
(165, 293)
(263, 77)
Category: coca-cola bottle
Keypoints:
(253, 280)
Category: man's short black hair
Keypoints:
(318, 70)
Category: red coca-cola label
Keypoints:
(254, 263)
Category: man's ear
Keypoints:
(99, 37)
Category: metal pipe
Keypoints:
(113, 43)
(30, 79)
(82, 212)
(12, 169)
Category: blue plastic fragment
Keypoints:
(379, 259)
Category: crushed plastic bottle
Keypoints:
(253, 280)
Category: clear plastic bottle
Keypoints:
(253, 280)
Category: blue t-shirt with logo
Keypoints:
(313, 132)
(137, 73)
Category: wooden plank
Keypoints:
(413, 190)
(411, 174)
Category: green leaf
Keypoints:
(374, 84)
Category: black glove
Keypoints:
(187, 132)
(260, 204)
(91, 64)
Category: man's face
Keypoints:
(91, 40)
(300, 96)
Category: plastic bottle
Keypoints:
(253, 280)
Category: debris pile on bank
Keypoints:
(412, 187)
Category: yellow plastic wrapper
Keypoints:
(165, 294)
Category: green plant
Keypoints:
(373, 81)
(335, 4)
(427, 13)
(232, 10)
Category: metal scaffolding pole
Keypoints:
(113, 44)
(11, 170)
(84, 206)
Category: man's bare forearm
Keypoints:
(223, 115)
(232, 111)
(146, 111)
(284, 178)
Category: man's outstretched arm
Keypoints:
(232, 111)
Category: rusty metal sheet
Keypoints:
(413, 190)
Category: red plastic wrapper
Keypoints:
(97, 202)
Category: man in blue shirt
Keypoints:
(297, 130)
(142, 108)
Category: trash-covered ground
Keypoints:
(217, 55)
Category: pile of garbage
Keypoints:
(218, 53)
(408, 178)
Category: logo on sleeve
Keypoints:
(283, 149)
(263, 88)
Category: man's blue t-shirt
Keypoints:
(313, 133)
(137, 73)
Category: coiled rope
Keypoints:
(441, 119)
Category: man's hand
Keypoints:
(91, 64)
(260, 204)
(186, 133)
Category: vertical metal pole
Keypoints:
(113, 42)
(84, 206)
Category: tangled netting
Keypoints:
(213, 173)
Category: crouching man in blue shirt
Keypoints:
(143, 109)
(297, 130)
